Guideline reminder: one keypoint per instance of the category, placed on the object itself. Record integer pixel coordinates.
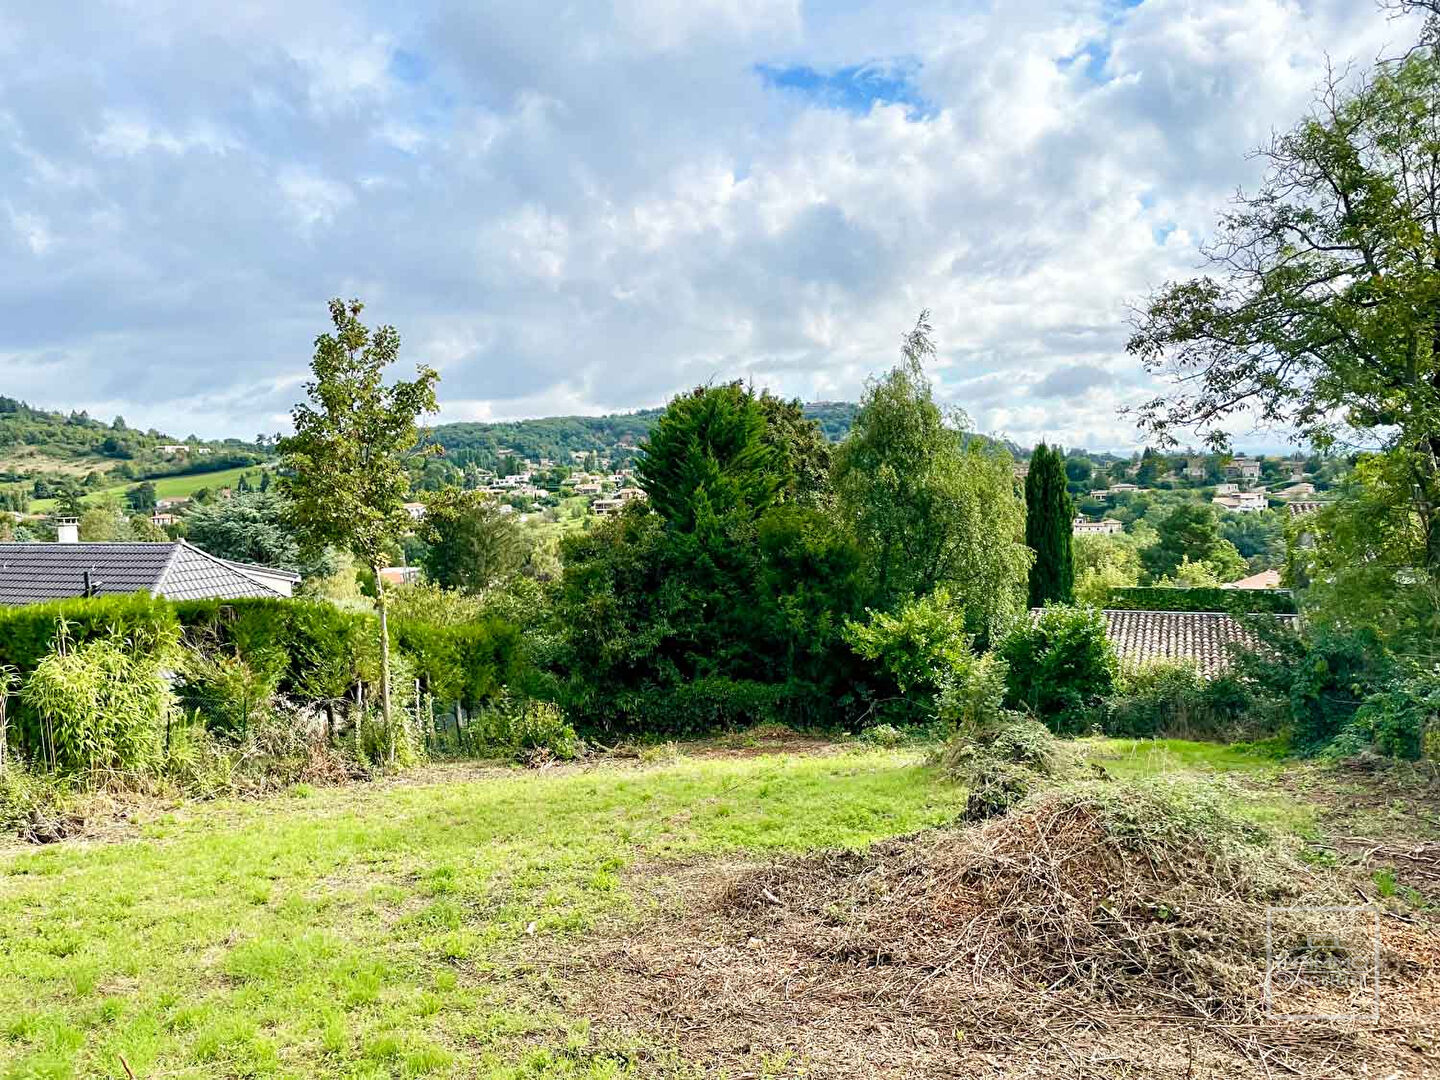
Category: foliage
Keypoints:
(1172, 700)
(471, 543)
(1102, 565)
(1258, 537)
(972, 697)
(101, 705)
(345, 472)
(925, 509)
(251, 528)
(225, 692)
(1398, 719)
(1363, 557)
(708, 458)
(919, 647)
(1191, 530)
(29, 634)
(531, 731)
(1048, 530)
(803, 450)
(1003, 763)
(31, 799)
(345, 465)
(1061, 667)
(1329, 683)
(1320, 313)
(1169, 598)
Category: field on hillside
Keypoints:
(468, 921)
(170, 487)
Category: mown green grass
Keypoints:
(365, 931)
(169, 487)
(1131, 758)
(1252, 765)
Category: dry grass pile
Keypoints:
(1054, 941)
(1004, 763)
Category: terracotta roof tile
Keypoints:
(1204, 637)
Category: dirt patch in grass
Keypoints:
(1097, 933)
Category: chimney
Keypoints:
(68, 533)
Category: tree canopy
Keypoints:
(1048, 529)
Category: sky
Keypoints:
(582, 207)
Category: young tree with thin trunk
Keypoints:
(344, 468)
(1048, 529)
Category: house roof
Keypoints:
(1202, 637)
(32, 573)
(1265, 579)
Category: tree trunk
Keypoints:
(384, 663)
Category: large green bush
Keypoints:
(920, 647)
(1173, 700)
(1062, 667)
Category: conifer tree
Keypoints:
(1048, 528)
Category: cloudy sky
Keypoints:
(586, 207)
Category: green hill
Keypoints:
(44, 452)
(558, 437)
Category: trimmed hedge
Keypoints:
(312, 650)
(28, 633)
(1234, 601)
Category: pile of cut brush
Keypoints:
(1142, 895)
(1099, 927)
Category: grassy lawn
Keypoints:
(169, 487)
(374, 930)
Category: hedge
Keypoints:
(311, 651)
(1235, 601)
(28, 633)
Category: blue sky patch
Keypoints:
(408, 67)
(856, 88)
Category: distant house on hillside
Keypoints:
(1242, 502)
(1297, 491)
(416, 510)
(33, 573)
(1196, 468)
(1300, 508)
(1105, 527)
(1120, 489)
(1244, 467)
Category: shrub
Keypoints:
(531, 731)
(1172, 699)
(101, 705)
(886, 735)
(1395, 720)
(973, 696)
(35, 805)
(697, 707)
(223, 691)
(1329, 683)
(1061, 667)
(917, 646)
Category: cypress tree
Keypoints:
(1048, 528)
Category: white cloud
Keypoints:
(311, 199)
(574, 207)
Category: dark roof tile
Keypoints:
(32, 573)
